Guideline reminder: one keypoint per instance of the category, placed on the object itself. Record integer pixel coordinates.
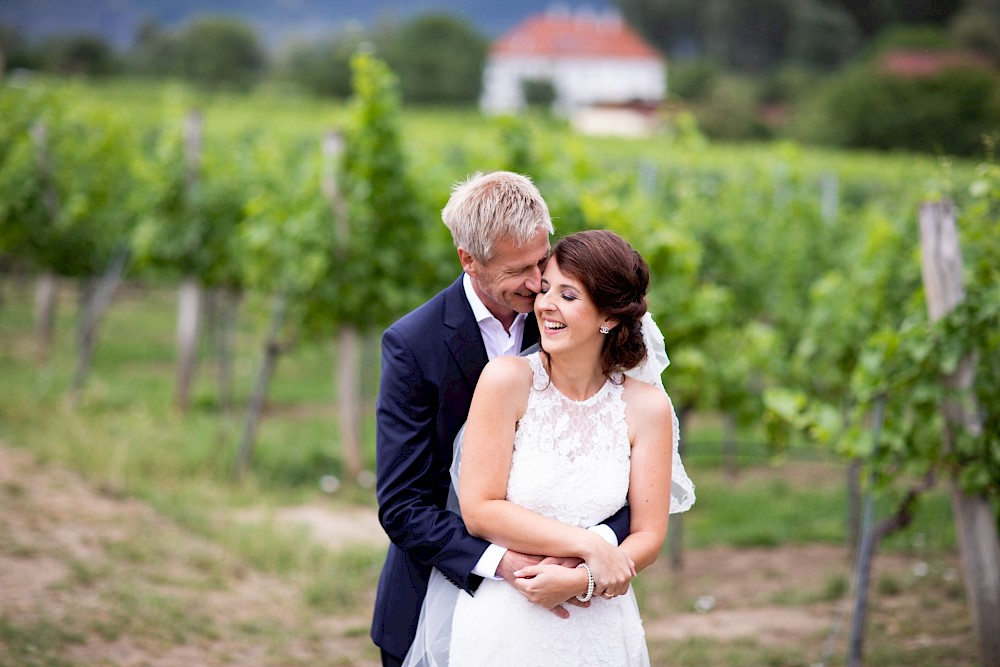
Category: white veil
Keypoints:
(433, 639)
(650, 372)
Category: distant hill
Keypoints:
(275, 20)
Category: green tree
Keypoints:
(439, 60)
(729, 110)
(872, 16)
(676, 27)
(72, 55)
(745, 35)
(286, 245)
(748, 35)
(869, 341)
(155, 52)
(924, 37)
(221, 52)
(694, 78)
(822, 35)
(15, 51)
(377, 270)
(191, 204)
(66, 176)
(949, 112)
(22, 199)
(380, 266)
(340, 240)
(324, 68)
(977, 28)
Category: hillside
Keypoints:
(277, 20)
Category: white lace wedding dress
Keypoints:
(570, 463)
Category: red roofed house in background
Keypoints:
(591, 60)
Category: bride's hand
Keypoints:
(612, 569)
(550, 585)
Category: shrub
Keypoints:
(949, 112)
(729, 112)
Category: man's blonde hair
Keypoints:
(489, 208)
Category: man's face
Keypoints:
(507, 284)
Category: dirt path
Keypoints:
(99, 580)
(88, 578)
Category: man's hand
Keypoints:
(565, 562)
(513, 561)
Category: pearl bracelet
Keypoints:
(590, 584)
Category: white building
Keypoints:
(590, 60)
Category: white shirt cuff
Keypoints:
(490, 561)
(605, 532)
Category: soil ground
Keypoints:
(90, 578)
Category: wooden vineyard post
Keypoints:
(46, 297)
(189, 301)
(46, 292)
(347, 373)
(974, 518)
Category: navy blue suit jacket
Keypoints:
(431, 362)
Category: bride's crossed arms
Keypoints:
(498, 405)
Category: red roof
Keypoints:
(904, 62)
(573, 36)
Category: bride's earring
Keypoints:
(604, 329)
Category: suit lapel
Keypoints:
(462, 335)
(464, 338)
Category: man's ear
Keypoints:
(469, 265)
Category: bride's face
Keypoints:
(567, 317)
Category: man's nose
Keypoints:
(534, 281)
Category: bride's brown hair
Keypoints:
(616, 278)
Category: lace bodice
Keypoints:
(571, 458)
(570, 463)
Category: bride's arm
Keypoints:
(498, 403)
(650, 420)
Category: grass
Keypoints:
(740, 653)
(124, 436)
(35, 645)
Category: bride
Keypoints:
(555, 442)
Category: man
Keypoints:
(431, 361)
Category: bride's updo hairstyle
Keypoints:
(616, 279)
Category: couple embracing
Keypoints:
(569, 465)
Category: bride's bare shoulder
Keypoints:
(645, 400)
(507, 373)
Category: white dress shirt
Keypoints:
(499, 343)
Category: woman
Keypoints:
(555, 442)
